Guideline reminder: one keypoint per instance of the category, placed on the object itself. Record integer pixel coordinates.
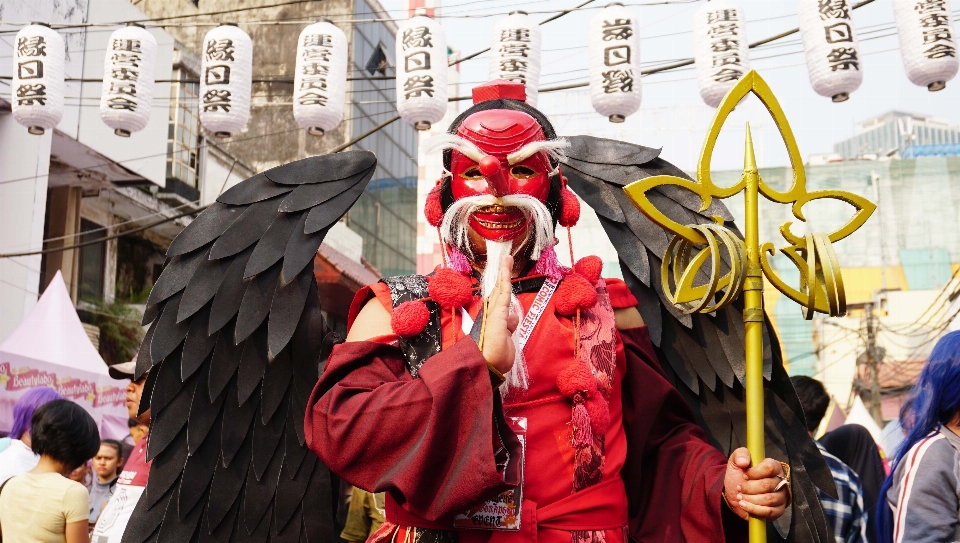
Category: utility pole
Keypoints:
(873, 366)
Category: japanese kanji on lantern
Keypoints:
(720, 48)
(421, 72)
(830, 42)
(927, 42)
(615, 63)
(225, 78)
(38, 71)
(515, 52)
(128, 75)
(320, 84)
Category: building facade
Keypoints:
(905, 135)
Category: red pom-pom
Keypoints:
(569, 208)
(431, 209)
(574, 292)
(576, 379)
(409, 318)
(450, 289)
(599, 413)
(589, 267)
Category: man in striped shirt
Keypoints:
(847, 517)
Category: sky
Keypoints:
(672, 114)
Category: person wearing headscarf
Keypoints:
(855, 447)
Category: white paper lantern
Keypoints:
(320, 84)
(720, 48)
(515, 51)
(38, 71)
(128, 75)
(615, 63)
(830, 42)
(421, 72)
(927, 41)
(225, 78)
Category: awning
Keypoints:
(339, 278)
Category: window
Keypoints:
(91, 261)
(183, 134)
(378, 61)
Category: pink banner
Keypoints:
(102, 396)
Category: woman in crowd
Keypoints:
(17, 457)
(43, 505)
(855, 447)
(920, 501)
(106, 465)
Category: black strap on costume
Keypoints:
(416, 350)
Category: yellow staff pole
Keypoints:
(753, 322)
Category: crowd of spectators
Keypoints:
(59, 481)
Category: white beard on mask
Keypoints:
(455, 231)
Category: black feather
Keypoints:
(318, 501)
(204, 285)
(148, 518)
(176, 275)
(253, 190)
(253, 363)
(228, 479)
(603, 151)
(198, 345)
(324, 216)
(267, 438)
(307, 196)
(199, 469)
(166, 468)
(144, 362)
(256, 303)
(276, 384)
(323, 168)
(237, 426)
(290, 492)
(258, 495)
(307, 343)
(596, 193)
(224, 363)
(300, 252)
(246, 230)
(229, 296)
(294, 449)
(168, 334)
(287, 309)
(167, 423)
(205, 228)
(204, 415)
(271, 247)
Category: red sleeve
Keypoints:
(671, 468)
(427, 441)
(620, 295)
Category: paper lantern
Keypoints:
(421, 72)
(720, 48)
(128, 75)
(225, 78)
(927, 42)
(515, 52)
(830, 42)
(36, 92)
(615, 63)
(320, 84)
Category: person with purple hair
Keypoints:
(17, 457)
(920, 500)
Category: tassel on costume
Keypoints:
(549, 265)
(457, 261)
(582, 429)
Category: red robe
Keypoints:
(427, 442)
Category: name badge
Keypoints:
(502, 512)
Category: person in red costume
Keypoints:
(507, 398)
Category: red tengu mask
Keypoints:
(506, 138)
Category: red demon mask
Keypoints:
(506, 138)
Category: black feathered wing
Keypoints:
(703, 354)
(233, 354)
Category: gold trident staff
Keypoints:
(694, 252)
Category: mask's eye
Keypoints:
(472, 172)
(522, 172)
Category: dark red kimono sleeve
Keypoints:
(426, 441)
(673, 474)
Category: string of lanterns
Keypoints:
(721, 57)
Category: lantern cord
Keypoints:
(550, 19)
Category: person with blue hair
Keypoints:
(17, 457)
(920, 500)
